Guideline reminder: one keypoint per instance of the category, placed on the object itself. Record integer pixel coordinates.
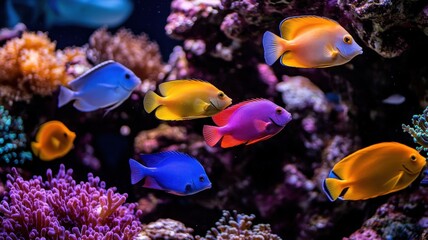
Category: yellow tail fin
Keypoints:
(151, 101)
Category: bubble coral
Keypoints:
(30, 65)
(239, 226)
(13, 141)
(137, 53)
(60, 208)
(165, 229)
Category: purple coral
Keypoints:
(60, 208)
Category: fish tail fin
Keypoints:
(151, 101)
(333, 188)
(211, 134)
(65, 96)
(138, 171)
(273, 47)
(35, 147)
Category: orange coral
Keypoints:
(30, 65)
(135, 52)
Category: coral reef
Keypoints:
(31, 65)
(387, 27)
(137, 53)
(239, 226)
(60, 208)
(13, 141)
(419, 131)
(165, 229)
(149, 141)
(16, 31)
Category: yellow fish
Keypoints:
(53, 140)
(310, 42)
(186, 99)
(374, 171)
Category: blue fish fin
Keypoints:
(65, 96)
(273, 47)
(84, 106)
(153, 160)
(150, 182)
(85, 77)
(138, 171)
(113, 107)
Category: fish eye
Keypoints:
(220, 94)
(127, 76)
(65, 135)
(188, 187)
(201, 179)
(413, 158)
(278, 110)
(347, 39)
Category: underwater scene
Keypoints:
(214, 119)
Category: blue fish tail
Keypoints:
(272, 47)
(65, 96)
(138, 171)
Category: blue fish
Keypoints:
(173, 172)
(106, 85)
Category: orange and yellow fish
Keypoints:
(374, 171)
(310, 42)
(186, 99)
(53, 140)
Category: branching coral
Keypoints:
(239, 226)
(30, 65)
(137, 53)
(13, 141)
(419, 131)
(60, 208)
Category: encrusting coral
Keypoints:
(137, 53)
(31, 65)
(60, 208)
(13, 141)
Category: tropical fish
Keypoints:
(394, 99)
(108, 84)
(93, 14)
(186, 99)
(374, 171)
(53, 140)
(172, 171)
(247, 122)
(310, 42)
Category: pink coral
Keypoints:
(60, 208)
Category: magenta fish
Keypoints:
(246, 123)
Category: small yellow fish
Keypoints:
(374, 171)
(53, 140)
(310, 42)
(186, 99)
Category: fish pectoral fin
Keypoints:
(201, 104)
(260, 125)
(392, 183)
(331, 53)
(164, 113)
(55, 142)
(84, 106)
(150, 182)
(106, 85)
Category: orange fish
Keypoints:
(374, 171)
(53, 140)
(310, 42)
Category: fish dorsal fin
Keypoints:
(222, 118)
(153, 160)
(150, 182)
(167, 88)
(293, 26)
(82, 79)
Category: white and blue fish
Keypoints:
(172, 171)
(108, 84)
